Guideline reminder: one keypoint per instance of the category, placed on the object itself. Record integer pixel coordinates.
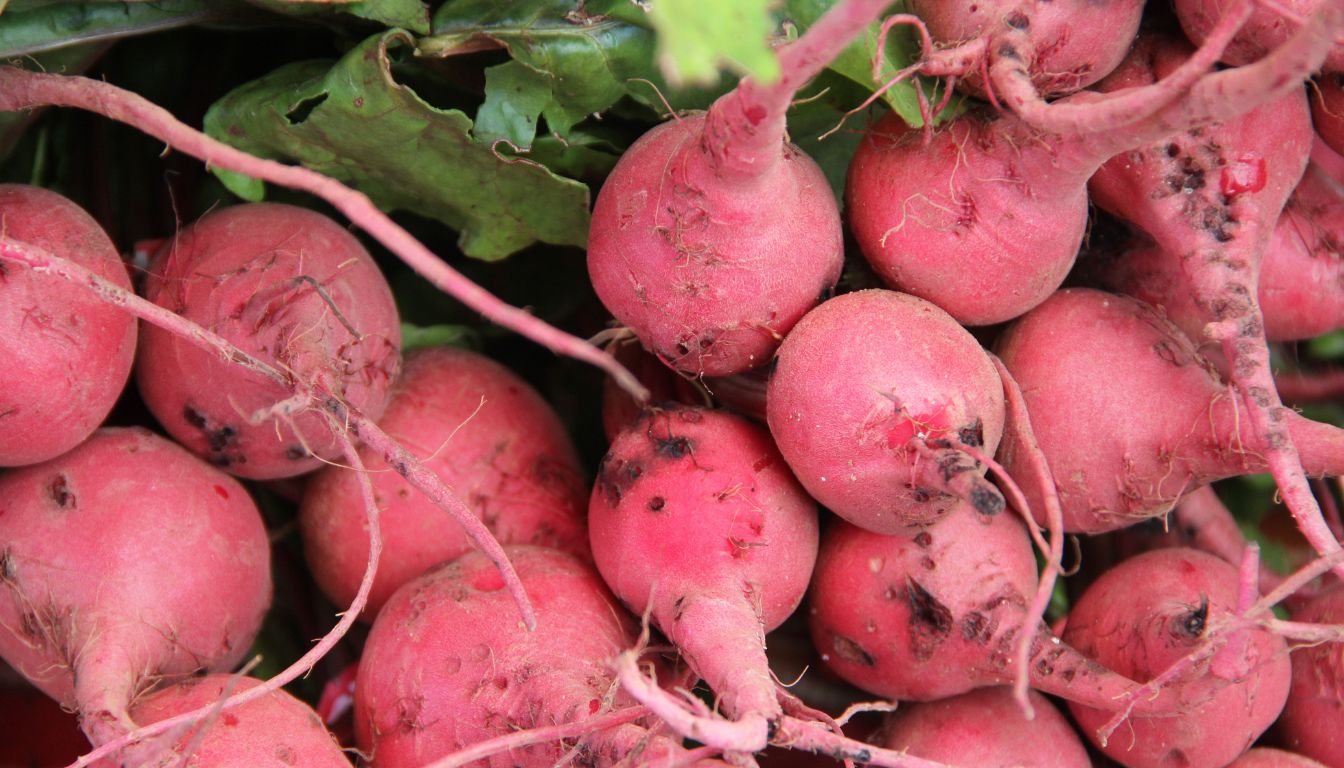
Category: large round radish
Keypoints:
(67, 352)
(488, 435)
(292, 288)
(862, 388)
(1313, 719)
(448, 664)
(123, 563)
(1146, 614)
(713, 235)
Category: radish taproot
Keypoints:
(871, 397)
(488, 435)
(713, 235)
(294, 289)
(68, 354)
(124, 563)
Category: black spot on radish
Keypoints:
(1007, 51)
(31, 627)
(986, 500)
(220, 439)
(678, 608)
(930, 620)
(606, 482)
(194, 417)
(1177, 759)
(973, 434)
(977, 626)
(295, 452)
(923, 539)
(674, 447)
(852, 652)
(59, 491)
(1191, 624)
(1018, 20)
(657, 503)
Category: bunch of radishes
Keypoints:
(622, 619)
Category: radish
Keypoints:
(276, 729)
(487, 434)
(1312, 718)
(448, 665)
(1269, 27)
(863, 388)
(1267, 757)
(1327, 109)
(985, 728)
(68, 354)
(1093, 367)
(123, 563)
(726, 540)
(986, 220)
(713, 235)
(1149, 613)
(290, 287)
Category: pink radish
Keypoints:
(1312, 719)
(713, 235)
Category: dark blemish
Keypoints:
(928, 564)
(304, 108)
(399, 466)
(771, 728)
(1166, 350)
(678, 607)
(1068, 674)
(923, 539)
(634, 470)
(1187, 179)
(295, 452)
(1173, 150)
(852, 652)
(31, 627)
(1193, 623)
(657, 503)
(194, 417)
(975, 627)
(1018, 20)
(930, 620)
(1177, 757)
(1007, 51)
(223, 461)
(219, 439)
(674, 447)
(985, 500)
(973, 434)
(922, 494)
(59, 491)
(606, 485)
(940, 443)
(1259, 395)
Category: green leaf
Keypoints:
(29, 28)
(1327, 347)
(696, 38)
(855, 62)
(407, 14)
(352, 121)
(417, 337)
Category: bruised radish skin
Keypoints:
(986, 220)
(489, 436)
(1313, 719)
(447, 664)
(1146, 614)
(865, 380)
(251, 274)
(126, 562)
(1093, 366)
(1073, 43)
(935, 612)
(275, 730)
(68, 354)
(986, 728)
(726, 540)
(713, 234)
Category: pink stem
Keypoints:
(484, 749)
(1231, 663)
(743, 735)
(1013, 81)
(744, 129)
(1215, 530)
(812, 737)
(20, 89)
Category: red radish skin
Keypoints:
(862, 384)
(936, 611)
(290, 287)
(1146, 614)
(68, 355)
(275, 730)
(1313, 719)
(1117, 459)
(986, 728)
(1327, 109)
(986, 220)
(713, 235)
(726, 540)
(91, 627)
(489, 436)
(1267, 757)
(447, 664)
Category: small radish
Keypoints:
(124, 563)
(713, 234)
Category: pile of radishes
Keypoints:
(874, 484)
